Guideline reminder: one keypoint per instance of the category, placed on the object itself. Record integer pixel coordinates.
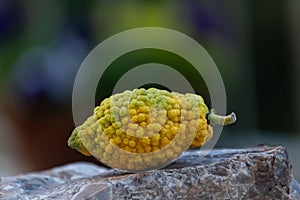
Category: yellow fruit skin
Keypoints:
(75, 143)
(143, 129)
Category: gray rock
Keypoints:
(252, 173)
(295, 189)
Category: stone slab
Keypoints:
(262, 172)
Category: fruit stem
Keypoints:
(221, 120)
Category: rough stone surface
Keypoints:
(295, 189)
(253, 173)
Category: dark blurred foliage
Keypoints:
(42, 44)
(138, 57)
(273, 63)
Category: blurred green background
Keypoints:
(255, 45)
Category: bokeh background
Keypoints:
(255, 44)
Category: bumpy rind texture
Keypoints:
(143, 129)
